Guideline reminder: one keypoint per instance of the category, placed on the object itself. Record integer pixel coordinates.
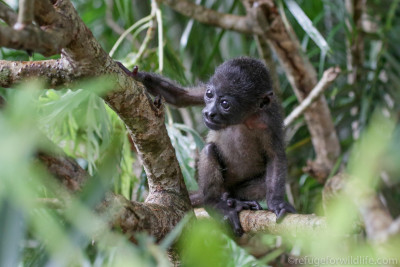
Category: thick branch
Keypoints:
(54, 72)
(205, 15)
(7, 14)
(168, 199)
(33, 38)
(303, 78)
(265, 221)
(45, 13)
(65, 169)
(327, 79)
(131, 217)
(47, 40)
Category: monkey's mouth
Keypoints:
(213, 125)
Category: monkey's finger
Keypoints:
(225, 196)
(290, 209)
(280, 214)
(157, 101)
(230, 202)
(242, 206)
(287, 207)
(135, 70)
(237, 228)
(253, 205)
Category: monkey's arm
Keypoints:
(275, 181)
(174, 94)
(213, 191)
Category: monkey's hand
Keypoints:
(230, 208)
(139, 76)
(280, 207)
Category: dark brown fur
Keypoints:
(244, 158)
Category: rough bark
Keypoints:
(303, 78)
(65, 169)
(83, 57)
(53, 72)
(299, 71)
(265, 222)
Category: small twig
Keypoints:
(327, 79)
(243, 24)
(25, 14)
(112, 24)
(155, 7)
(142, 22)
(7, 14)
(149, 36)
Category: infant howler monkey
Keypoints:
(244, 159)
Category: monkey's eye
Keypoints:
(225, 104)
(209, 94)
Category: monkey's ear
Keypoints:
(266, 99)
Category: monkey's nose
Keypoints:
(210, 115)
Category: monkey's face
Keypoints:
(223, 110)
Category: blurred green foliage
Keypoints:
(78, 121)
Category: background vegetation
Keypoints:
(365, 112)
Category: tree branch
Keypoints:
(265, 222)
(45, 13)
(327, 79)
(46, 40)
(303, 78)
(65, 169)
(205, 15)
(54, 72)
(33, 38)
(7, 14)
(168, 199)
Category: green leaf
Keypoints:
(307, 25)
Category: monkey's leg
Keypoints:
(211, 183)
(275, 183)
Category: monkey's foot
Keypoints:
(230, 209)
(240, 205)
(280, 208)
